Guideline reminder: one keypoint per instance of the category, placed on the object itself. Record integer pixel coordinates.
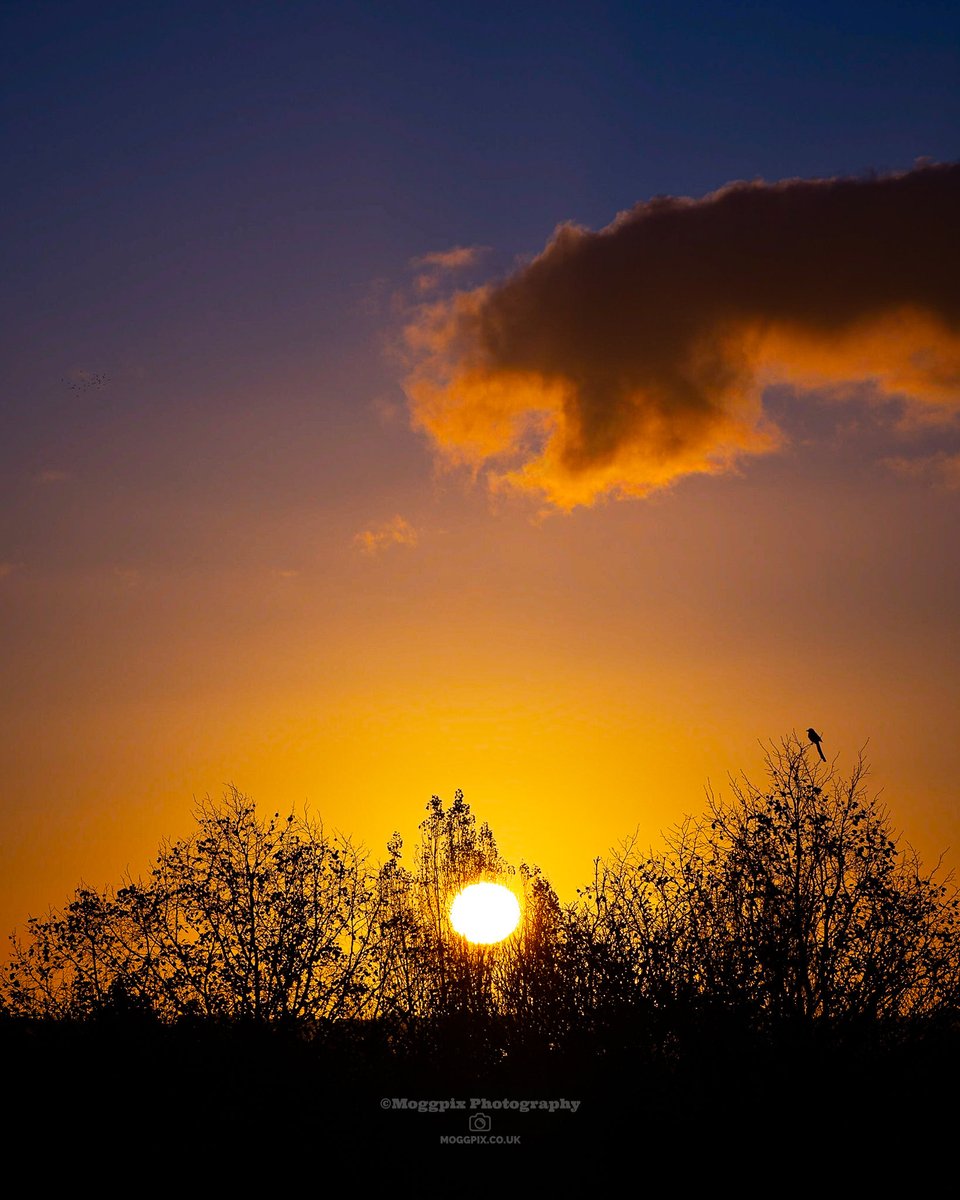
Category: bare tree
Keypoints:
(246, 918)
(446, 995)
(65, 966)
(426, 967)
(793, 902)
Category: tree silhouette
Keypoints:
(246, 919)
(792, 905)
(784, 913)
(425, 968)
(449, 1000)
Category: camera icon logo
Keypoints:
(479, 1123)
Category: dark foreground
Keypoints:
(134, 1093)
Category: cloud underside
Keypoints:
(618, 362)
(942, 470)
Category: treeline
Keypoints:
(787, 915)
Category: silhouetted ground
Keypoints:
(134, 1092)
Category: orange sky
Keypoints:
(577, 676)
(577, 536)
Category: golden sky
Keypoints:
(578, 676)
(556, 408)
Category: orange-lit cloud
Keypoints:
(620, 361)
(395, 532)
(51, 475)
(450, 260)
(8, 568)
(439, 261)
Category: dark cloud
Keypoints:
(619, 361)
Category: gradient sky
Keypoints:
(229, 555)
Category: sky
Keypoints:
(556, 402)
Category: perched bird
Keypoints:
(815, 738)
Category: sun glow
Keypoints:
(485, 913)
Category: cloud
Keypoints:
(51, 475)
(440, 261)
(389, 411)
(8, 568)
(454, 259)
(618, 362)
(395, 532)
(940, 469)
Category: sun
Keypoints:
(485, 913)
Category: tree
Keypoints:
(450, 999)
(427, 968)
(246, 918)
(793, 905)
(786, 908)
(67, 964)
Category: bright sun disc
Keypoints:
(485, 913)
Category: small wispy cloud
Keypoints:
(433, 266)
(8, 568)
(395, 532)
(389, 412)
(51, 475)
(454, 259)
(942, 470)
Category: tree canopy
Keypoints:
(786, 906)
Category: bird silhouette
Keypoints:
(815, 738)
